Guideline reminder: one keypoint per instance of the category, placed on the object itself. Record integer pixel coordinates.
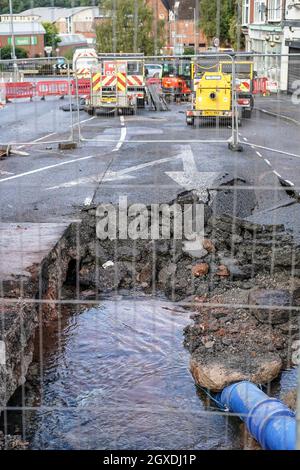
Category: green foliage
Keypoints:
(208, 19)
(6, 52)
(122, 21)
(69, 55)
(189, 51)
(51, 37)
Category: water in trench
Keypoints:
(116, 376)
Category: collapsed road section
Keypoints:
(238, 278)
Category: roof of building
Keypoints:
(54, 13)
(69, 39)
(22, 28)
(185, 10)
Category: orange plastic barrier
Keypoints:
(260, 86)
(19, 90)
(84, 86)
(52, 88)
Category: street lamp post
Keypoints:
(176, 7)
(13, 46)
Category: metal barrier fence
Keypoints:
(110, 314)
(42, 78)
(175, 90)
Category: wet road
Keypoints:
(125, 155)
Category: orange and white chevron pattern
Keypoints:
(96, 81)
(134, 80)
(83, 73)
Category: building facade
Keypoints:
(79, 20)
(28, 36)
(182, 24)
(272, 27)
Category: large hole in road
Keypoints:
(110, 355)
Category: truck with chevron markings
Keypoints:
(117, 84)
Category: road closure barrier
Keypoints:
(260, 86)
(19, 90)
(83, 86)
(39, 89)
(52, 88)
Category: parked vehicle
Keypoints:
(118, 82)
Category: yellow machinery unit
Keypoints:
(213, 98)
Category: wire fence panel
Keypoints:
(149, 230)
(37, 94)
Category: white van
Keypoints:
(153, 71)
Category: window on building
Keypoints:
(259, 11)
(274, 10)
(246, 10)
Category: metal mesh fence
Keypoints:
(149, 242)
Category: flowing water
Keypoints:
(116, 376)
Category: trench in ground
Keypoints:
(114, 374)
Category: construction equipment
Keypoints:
(243, 72)
(176, 79)
(213, 99)
(117, 83)
(243, 82)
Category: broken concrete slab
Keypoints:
(23, 247)
(217, 374)
(272, 306)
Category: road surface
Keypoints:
(150, 157)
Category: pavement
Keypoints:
(150, 157)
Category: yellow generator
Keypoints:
(213, 98)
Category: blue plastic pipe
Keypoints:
(268, 420)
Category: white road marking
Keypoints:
(122, 119)
(111, 175)
(5, 173)
(190, 178)
(259, 154)
(81, 122)
(245, 139)
(122, 137)
(37, 140)
(277, 174)
(254, 146)
(44, 168)
(290, 182)
(267, 161)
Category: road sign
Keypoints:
(60, 66)
(48, 49)
(216, 42)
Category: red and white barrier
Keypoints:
(83, 85)
(260, 86)
(52, 88)
(19, 90)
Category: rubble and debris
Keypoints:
(200, 269)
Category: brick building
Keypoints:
(182, 23)
(28, 36)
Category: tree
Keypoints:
(6, 53)
(208, 20)
(129, 28)
(51, 37)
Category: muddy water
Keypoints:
(116, 376)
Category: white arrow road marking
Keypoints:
(113, 175)
(190, 178)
